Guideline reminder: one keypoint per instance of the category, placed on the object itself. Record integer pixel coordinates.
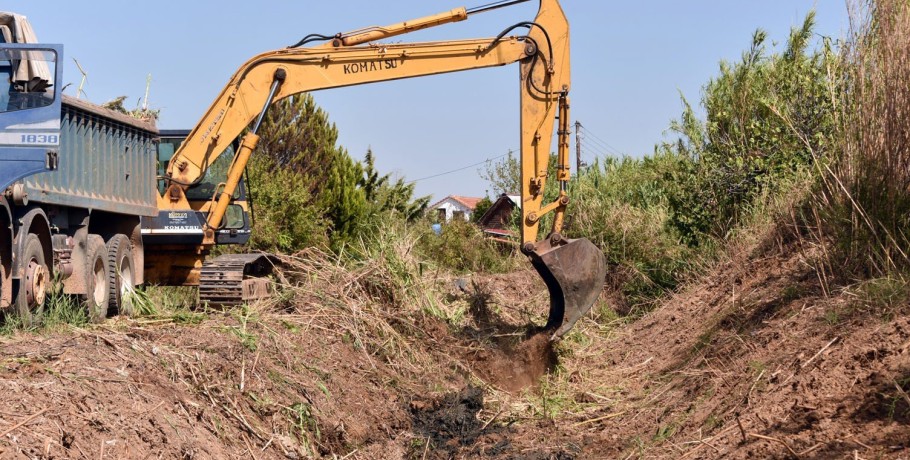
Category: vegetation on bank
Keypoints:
(770, 123)
(806, 135)
(309, 191)
(810, 137)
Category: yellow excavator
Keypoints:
(189, 225)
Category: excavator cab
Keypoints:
(169, 228)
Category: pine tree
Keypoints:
(298, 135)
(308, 189)
(386, 196)
(344, 199)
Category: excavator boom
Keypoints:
(573, 270)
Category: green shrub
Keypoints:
(285, 216)
(621, 205)
(863, 203)
(462, 247)
(768, 116)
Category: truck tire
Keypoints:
(97, 279)
(6, 268)
(5, 283)
(34, 282)
(122, 279)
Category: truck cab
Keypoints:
(30, 107)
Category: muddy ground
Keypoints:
(760, 358)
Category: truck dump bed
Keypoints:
(106, 162)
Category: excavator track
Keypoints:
(235, 279)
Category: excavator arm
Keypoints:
(573, 270)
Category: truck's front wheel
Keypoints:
(33, 284)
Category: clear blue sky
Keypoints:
(630, 62)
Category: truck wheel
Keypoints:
(33, 284)
(97, 276)
(122, 281)
(6, 282)
(6, 272)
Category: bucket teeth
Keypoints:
(574, 272)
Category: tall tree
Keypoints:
(309, 190)
(344, 200)
(503, 175)
(386, 196)
(298, 135)
(768, 116)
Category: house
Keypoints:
(454, 207)
(497, 221)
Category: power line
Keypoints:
(606, 145)
(596, 147)
(598, 140)
(594, 143)
(462, 168)
(594, 153)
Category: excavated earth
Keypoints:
(760, 358)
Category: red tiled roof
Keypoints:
(467, 201)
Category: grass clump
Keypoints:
(622, 207)
(60, 312)
(862, 205)
(462, 248)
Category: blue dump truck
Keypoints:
(79, 190)
(76, 180)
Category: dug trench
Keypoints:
(754, 359)
(318, 373)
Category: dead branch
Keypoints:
(901, 392)
(777, 440)
(485, 425)
(819, 352)
(809, 450)
(742, 430)
(27, 419)
(597, 419)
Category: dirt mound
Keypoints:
(758, 359)
(752, 361)
(187, 393)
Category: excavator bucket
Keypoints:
(574, 271)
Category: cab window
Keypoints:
(215, 174)
(26, 78)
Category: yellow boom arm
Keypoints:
(354, 59)
(543, 58)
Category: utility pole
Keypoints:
(577, 148)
